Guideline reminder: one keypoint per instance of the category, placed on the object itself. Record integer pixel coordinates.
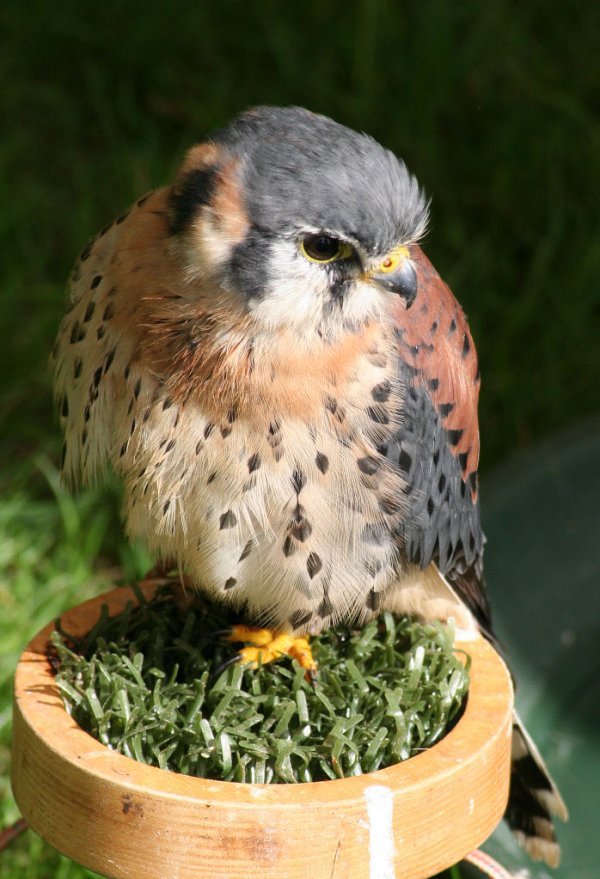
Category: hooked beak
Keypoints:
(398, 275)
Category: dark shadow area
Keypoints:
(543, 569)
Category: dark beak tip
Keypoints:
(409, 296)
(403, 282)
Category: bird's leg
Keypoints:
(265, 645)
(161, 570)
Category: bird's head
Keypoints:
(304, 222)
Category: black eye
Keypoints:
(323, 248)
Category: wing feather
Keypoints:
(437, 442)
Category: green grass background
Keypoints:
(493, 105)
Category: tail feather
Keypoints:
(533, 799)
(533, 796)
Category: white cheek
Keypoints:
(296, 292)
(205, 248)
(365, 300)
(298, 295)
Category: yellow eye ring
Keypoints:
(324, 249)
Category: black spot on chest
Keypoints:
(253, 462)
(89, 312)
(381, 392)
(322, 462)
(368, 465)
(227, 520)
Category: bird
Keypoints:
(288, 390)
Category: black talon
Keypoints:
(218, 671)
(222, 633)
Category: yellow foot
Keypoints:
(267, 646)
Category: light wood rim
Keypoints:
(131, 821)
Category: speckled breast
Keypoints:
(292, 518)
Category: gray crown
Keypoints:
(302, 169)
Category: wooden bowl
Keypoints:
(131, 821)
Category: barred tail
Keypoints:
(533, 799)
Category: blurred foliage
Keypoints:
(493, 106)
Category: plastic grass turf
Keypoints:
(144, 683)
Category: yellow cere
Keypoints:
(394, 259)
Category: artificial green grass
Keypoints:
(146, 683)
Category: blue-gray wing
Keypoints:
(436, 443)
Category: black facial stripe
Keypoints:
(339, 288)
(245, 269)
(194, 190)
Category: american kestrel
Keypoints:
(289, 392)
